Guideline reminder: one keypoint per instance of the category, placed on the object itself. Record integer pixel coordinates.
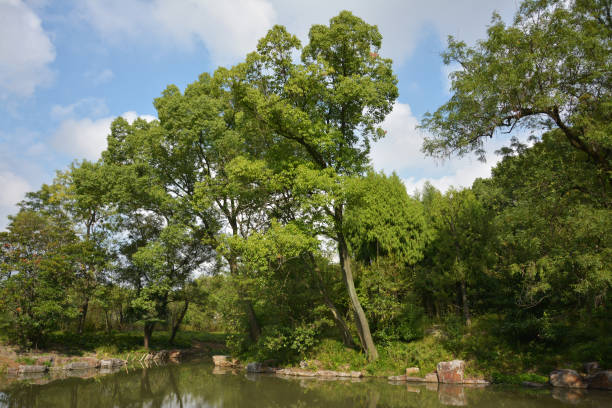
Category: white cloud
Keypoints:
(25, 50)
(86, 137)
(401, 22)
(92, 107)
(400, 151)
(100, 77)
(14, 189)
(228, 29)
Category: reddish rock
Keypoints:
(412, 370)
(224, 361)
(451, 372)
(567, 379)
(431, 378)
(601, 380)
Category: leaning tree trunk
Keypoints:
(363, 328)
(254, 330)
(179, 320)
(83, 316)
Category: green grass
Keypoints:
(26, 360)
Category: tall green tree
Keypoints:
(38, 255)
(550, 69)
(329, 107)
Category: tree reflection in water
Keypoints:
(193, 384)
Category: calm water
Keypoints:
(195, 384)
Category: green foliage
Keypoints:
(542, 69)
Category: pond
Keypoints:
(198, 384)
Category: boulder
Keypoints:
(412, 370)
(398, 378)
(601, 380)
(224, 361)
(23, 369)
(415, 379)
(451, 372)
(567, 379)
(255, 367)
(77, 365)
(431, 378)
(356, 374)
(591, 367)
(111, 363)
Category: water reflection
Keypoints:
(194, 385)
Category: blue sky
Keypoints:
(67, 68)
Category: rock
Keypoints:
(356, 374)
(327, 373)
(397, 378)
(224, 361)
(412, 370)
(431, 378)
(175, 354)
(476, 381)
(32, 369)
(591, 367)
(530, 384)
(77, 365)
(567, 379)
(254, 367)
(601, 380)
(451, 372)
(451, 394)
(111, 363)
(415, 379)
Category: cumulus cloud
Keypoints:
(25, 50)
(400, 151)
(228, 29)
(86, 137)
(14, 189)
(231, 28)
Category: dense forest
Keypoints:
(250, 207)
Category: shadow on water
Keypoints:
(195, 384)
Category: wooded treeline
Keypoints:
(250, 205)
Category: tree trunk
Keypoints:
(148, 332)
(177, 323)
(254, 329)
(347, 339)
(464, 301)
(107, 319)
(83, 316)
(363, 328)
